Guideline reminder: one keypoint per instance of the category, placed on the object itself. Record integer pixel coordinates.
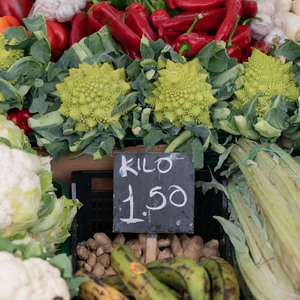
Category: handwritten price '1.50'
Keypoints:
(154, 192)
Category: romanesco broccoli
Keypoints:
(181, 92)
(8, 57)
(89, 95)
(266, 75)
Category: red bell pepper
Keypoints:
(57, 35)
(171, 4)
(137, 19)
(16, 8)
(20, 118)
(104, 13)
(130, 52)
(241, 36)
(80, 28)
(93, 22)
(189, 44)
(260, 45)
(8, 21)
(211, 20)
(235, 52)
(233, 12)
(250, 9)
(196, 5)
(158, 18)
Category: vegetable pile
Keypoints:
(81, 77)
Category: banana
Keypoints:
(182, 272)
(224, 282)
(95, 289)
(116, 282)
(136, 277)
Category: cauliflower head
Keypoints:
(89, 95)
(8, 57)
(181, 92)
(30, 279)
(25, 180)
(266, 75)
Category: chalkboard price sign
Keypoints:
(153, 193)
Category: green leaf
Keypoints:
(108, 145)
(152, 138)
(58, 149)
(277, 115)
(133, 70)
(9, 91)
(26, 66)
(7, 245)
(236, 235)
(19, 33)
(39, 105)
(289, 49)
(198, 153)
(41, 51)
(125, 102)
(36, 23)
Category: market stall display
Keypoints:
(83, 80)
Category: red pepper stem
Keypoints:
(151, 8)
(229, 44)
(90, 9)
(273, 48)
(95, 1)
(198, 17)
(183, 48)
(253, 18)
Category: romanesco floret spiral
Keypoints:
(181, 92)
(89, 94)
(266, 75)
(8, 57)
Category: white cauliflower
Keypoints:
(20, 190)
(31, 279)
(59, 10)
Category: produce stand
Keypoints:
(149, 149)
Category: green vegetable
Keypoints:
(181, 93)
(8, 57)
(264, 219)
(268, 77)
(89, 95)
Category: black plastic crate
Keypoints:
(96, 215)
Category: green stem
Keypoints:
(229, 44)
(178, 141)
(118, 130)
(273, 48)
(151, 8)
(198, 17)
(253, 18)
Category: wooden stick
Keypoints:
(151, 247)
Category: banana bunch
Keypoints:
(95, 289)
(172, 278)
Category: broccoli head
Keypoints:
(266, 75)
(181, 93)
(8, 57)
(89, 95)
